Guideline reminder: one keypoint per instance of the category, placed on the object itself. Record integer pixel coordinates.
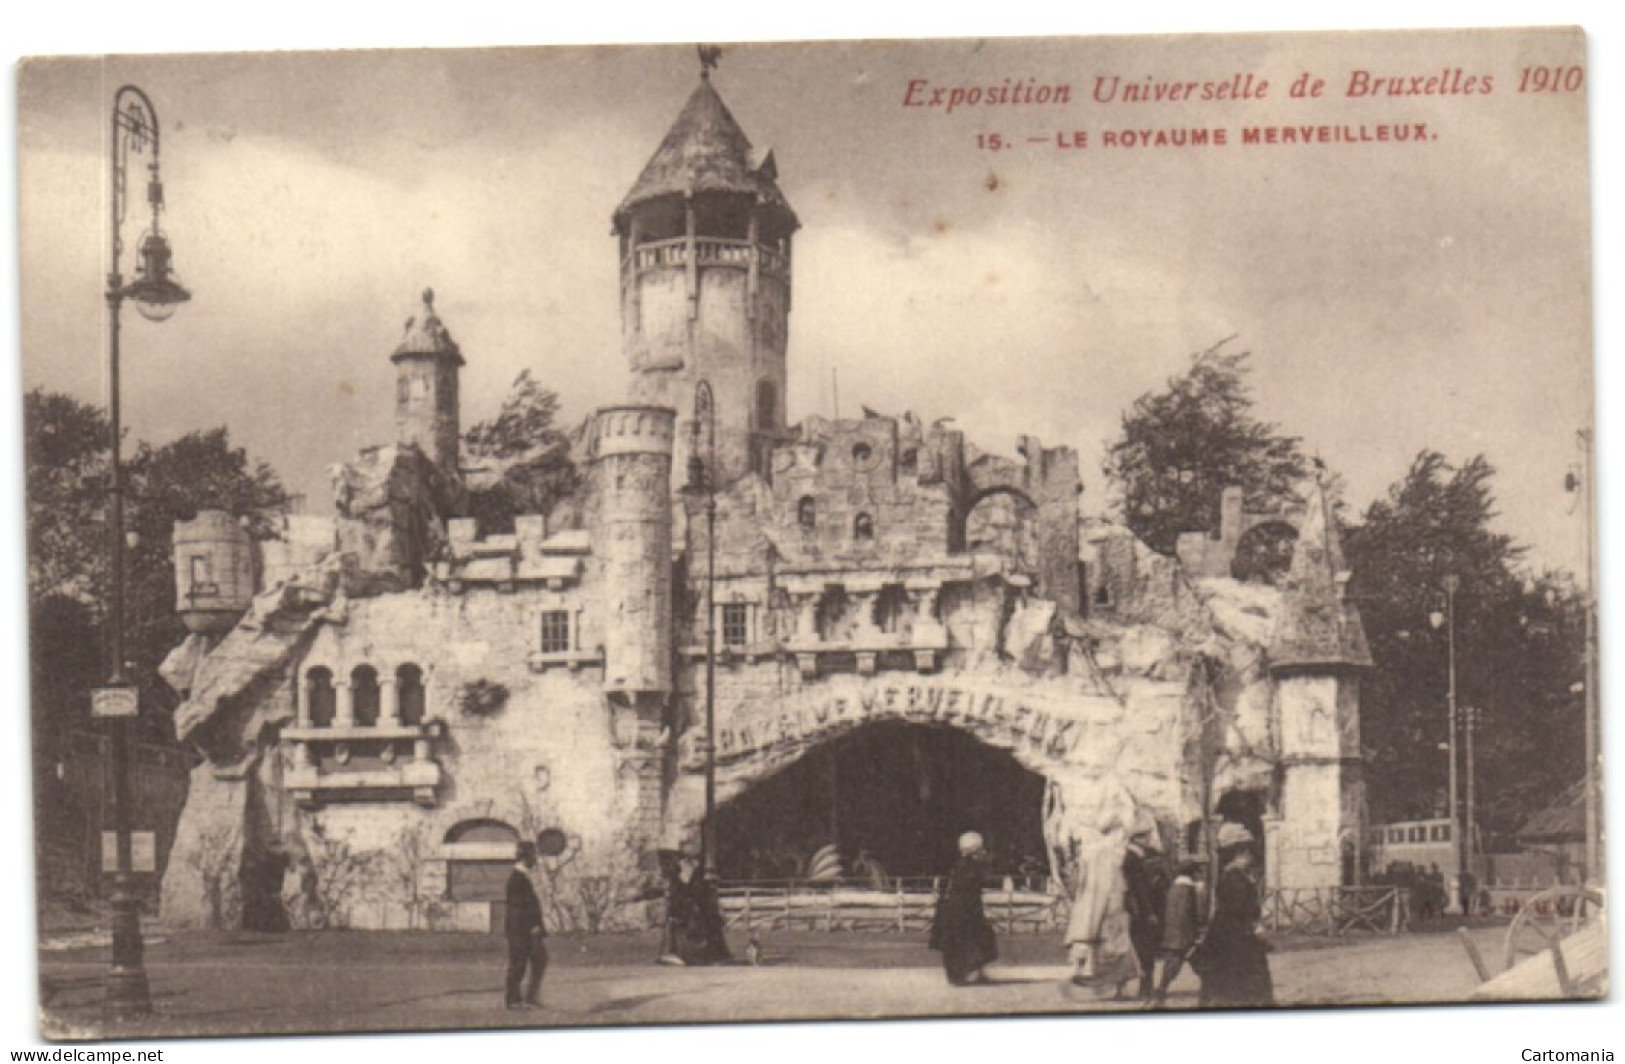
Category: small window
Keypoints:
(409, 692)
(861, 452)
(735, 621)
(767, 405)
(1441, 833)
(555, 631)
(1419, 834)
(1396, 834)
(202, 571)
(910, 460)
(319, 697)
(807, 513)
(863, 527)
(364, 695)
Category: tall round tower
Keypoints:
(631, 536)
(704, 241)
(426, 364)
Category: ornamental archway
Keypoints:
(892, 797)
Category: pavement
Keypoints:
(322, 982)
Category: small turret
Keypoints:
(214, 571)
(1316, 626)
(426, 406)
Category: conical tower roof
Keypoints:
(705, 151)
(426, 335)
(1315, 625)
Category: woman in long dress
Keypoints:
(961, 930)
(1235, 967)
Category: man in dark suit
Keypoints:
(527, 939)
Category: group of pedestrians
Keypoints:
(1169, 921)
(1163, 918)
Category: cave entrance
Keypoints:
(893, 799)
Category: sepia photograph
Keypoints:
(629, 535)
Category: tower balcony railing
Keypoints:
(708, 251)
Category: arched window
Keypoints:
(863, 527)
(319, 699)
(861, 452)
(364, 692)
(409, 690)
(807, 513)
(767, 405)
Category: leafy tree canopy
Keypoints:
(1519, 647)
(68, 568)
(1182, 446)
(521, 458)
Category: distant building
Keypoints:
(915, 636)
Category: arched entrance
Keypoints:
(893, 797)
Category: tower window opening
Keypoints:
(863, 527)
(364, 691)
(861, 452)
(555, 631)
(767, 405)
(807, 513)
(735, 624)
(409, 690)
(910, 460)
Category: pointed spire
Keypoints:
(705, 150)
(426, 335)
(1315, 625)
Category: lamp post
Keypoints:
(1470, 716)
(702, 478)
(1447, 619)
(155, 293)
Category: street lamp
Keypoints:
(702, 478)
(1447, 620)
(156, 294)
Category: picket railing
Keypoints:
(900, 905)
(1336, 910)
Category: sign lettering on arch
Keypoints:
(1026, 721)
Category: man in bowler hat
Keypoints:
(527, 939)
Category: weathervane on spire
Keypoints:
(709, 55)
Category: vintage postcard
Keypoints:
(545, 537)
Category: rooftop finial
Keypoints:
(428, 298)
(709, 55)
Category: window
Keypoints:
(910, 460)
(807, 513)
(409, 691)
(735, 624)
(555, 631)
(319, 700)
(202, 572)
(1441, 833)
(863, 527)
(890, 606)
(1419, 834)
(860, 453)
(1396, 834)
(364, 692)
(767, 406)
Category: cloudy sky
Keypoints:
(1394, 296)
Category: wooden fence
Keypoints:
(903, 905)
(1336, 910)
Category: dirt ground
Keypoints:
(355, 981)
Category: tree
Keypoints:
(521, 457)
(1519, 649)
(1181, 447)
(68, 568)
